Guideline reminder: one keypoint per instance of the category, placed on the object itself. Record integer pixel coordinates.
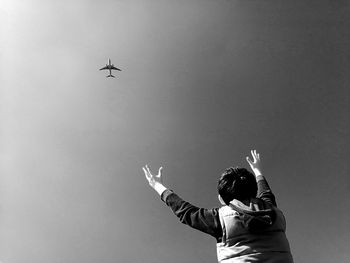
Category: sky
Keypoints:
(202, 83)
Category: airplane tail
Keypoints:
(110, 75)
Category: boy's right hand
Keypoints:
(255, 165)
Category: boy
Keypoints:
(248, 227)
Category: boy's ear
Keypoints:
(221, 201)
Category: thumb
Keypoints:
(160, 171)
(248, 160)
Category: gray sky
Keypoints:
(202, 83)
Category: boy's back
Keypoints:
(240, 244)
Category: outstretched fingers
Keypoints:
(148, 170)
(145, 171)
(253, 155)
(257, 155)
(248, 160)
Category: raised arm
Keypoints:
(264, 190)
(202, 219)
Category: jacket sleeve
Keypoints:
(264, 191)
(205, 220)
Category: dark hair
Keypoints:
(237, 183)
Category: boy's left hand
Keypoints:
(153, 179)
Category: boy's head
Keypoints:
(237, 183)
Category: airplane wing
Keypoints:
(116, 68)
(104, 68)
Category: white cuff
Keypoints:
(260, 177)
(159, 188)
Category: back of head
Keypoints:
(237, 183)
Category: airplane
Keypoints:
(110, 67)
